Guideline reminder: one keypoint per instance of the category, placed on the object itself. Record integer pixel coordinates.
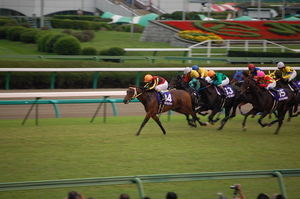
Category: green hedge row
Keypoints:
(76, 80)
(82, 17)
(233, 53)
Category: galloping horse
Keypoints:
(176, 100)
(178, 83)
(264, 102)
(238, 76)
(214, 102)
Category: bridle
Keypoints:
(135, 94)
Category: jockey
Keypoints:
(191, 77)
(219, 79)
(253, 70)
(288, 74)
(265, 81)
(157, 83)
(202, 72)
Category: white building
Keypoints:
(33, 7)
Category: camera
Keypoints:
(233, 187)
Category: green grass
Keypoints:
(74, 148)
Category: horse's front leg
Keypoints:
(212, 115)
(146, 119)
(226, 118)
(264, 114)
(252, 111)
(159, 123)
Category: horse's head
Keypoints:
(176, 82)
(248, 84)
(238, 75)
(131, 93)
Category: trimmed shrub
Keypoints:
(45, 28)
(26, 25)
(67, 46)
(3, 31)
(13, 33)
(7, 20)
(136, 28)
(89, 51)
(68, 31)
(40, 34)
(90, 33)
(51, 41)
(28, 35)
(114, 51)
(42, 41)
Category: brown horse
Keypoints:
(262, 101)
(176, 100)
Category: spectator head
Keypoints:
(124, 196)
(171, 195)
(73, 195)
(263, 196)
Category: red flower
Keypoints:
(235, 31)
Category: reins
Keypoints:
(204, 87)
(135, 95)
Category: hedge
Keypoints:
(232, 53)
(75, 80)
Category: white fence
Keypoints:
(236, 44)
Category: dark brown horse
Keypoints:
(176, 100)
(263, 101)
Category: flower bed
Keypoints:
(199, 36)
(270, 30)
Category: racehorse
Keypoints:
(264, 102)
(238, 76)
(178, 83)
(214, 102)
(176, 100)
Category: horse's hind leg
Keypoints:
(159, 123)
(191, 122)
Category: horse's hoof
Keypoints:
(244, 128)
(206, 123)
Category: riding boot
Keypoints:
(293, 83)
(162, 96)
(223, 94)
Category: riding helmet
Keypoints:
(211, 73)
(260, 74)
(187, 70)
(251, 66)
(195, 67)
(147, 78)
(280, 65)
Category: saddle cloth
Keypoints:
(280, 95)
(168, 97)
(230, 93)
